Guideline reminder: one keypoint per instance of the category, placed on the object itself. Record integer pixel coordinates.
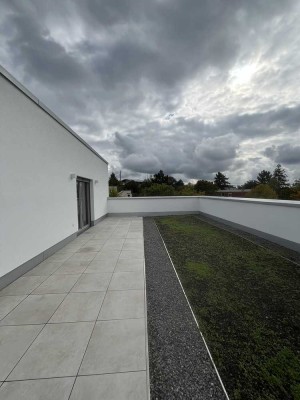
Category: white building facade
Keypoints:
(53, 185)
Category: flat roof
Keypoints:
(32, 97)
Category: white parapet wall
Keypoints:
(153, 205)
(276, 220)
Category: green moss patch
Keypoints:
(247, 302)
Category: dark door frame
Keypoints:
(88, 203)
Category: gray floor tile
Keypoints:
(71, 246)
(23, 285)
(123, 304)
(95, 243)
(126, 386)
(41, 389)
(121, 235)
(57, 352)
(126, 265)
(134, 235)
(92, 282)
(112, 246)
(115, 346)
(8, 303)
(101, 236)
(72, 267)
(45, 268)
(107, 255)
(135, 241)
(133, 246)
(132, 254)
(79, 307)
(80, 240)
(97, 266)
(59, 257)
(83, 256)
(35, 309)
(89, 249)
(127, 281)
(57, 284)
(113, 240)
(69, 250)
(14, 341)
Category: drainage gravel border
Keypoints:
(179, 363)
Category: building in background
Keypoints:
(233, 192)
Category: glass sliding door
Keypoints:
(83, 203)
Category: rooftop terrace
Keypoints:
(76, 326)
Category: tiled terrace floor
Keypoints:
(74, 327)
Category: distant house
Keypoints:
(125, 193)
(233, 192)
(124, 181)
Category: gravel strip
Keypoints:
(180, 367)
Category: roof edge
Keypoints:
(32, 97)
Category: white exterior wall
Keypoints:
(155, 205)
(38, 200)
(279, 218)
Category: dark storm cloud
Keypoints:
(167, 75)
(40, 56)
(185, 152)
(196, 147)
(285, 154)
(283, 119)
(162, 41)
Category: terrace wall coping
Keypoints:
(283, 203)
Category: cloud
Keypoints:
(277, 121)
(184, 152)
(284, 154)
(190, 87)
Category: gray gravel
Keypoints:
(180, 367)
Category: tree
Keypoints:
(249, 184)
(159, 189)
(262, 191)
(281, 176)
(113, 181)
(134, 186)
(160, 177)
(205, 186)
(264, 177)
(188, 190)
(113, 193)
(221, 181)
(296, 184)
(179, 184)
(171, 181)
(146, 183)
(279, 182)
(295, 190)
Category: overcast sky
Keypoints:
(191, 87)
